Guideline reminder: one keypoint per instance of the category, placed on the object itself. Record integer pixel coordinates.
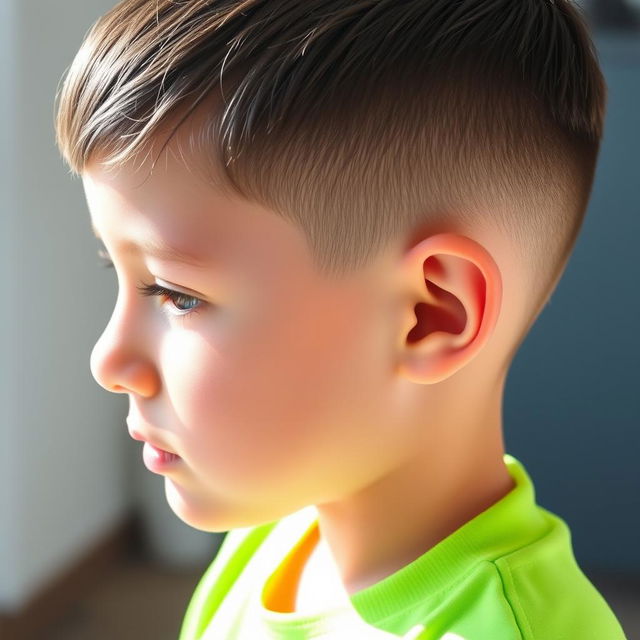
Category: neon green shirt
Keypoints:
(507, 574)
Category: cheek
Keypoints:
(272, 401)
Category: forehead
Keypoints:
(162, 199)
(170, 182)
(176, 191)
(165, 206)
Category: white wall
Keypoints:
(63, 475)
(8, 416)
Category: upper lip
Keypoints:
(139, 434)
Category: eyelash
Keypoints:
(157, 290)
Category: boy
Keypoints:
(346, 218)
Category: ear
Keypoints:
(455, 297)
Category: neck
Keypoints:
(405, 512)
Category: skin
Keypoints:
(376, 397)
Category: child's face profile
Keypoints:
(267, 380)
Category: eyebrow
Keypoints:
(160, 250)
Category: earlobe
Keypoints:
(457, 291)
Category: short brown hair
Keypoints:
(360, 120)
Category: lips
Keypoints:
(137, 434)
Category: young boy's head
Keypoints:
(379, 197)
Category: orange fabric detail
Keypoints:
(282, 586)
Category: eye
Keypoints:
(177, 298)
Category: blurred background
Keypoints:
(89, 548)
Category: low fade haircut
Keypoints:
(359, 121)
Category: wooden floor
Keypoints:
(139, 601)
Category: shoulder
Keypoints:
(550, 595)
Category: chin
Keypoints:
(208, 515)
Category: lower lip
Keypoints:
(157, 460)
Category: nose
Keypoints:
(119, 362)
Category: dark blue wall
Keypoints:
(572, 399)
